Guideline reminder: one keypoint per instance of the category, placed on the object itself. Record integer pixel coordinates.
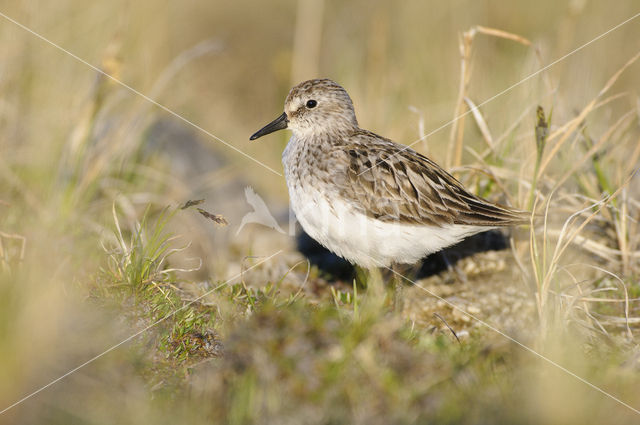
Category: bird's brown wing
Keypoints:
(393, 183)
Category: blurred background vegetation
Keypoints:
(94, 247)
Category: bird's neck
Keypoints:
(332, 135)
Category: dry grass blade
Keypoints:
(307, 40)
(203, 48)
(626, 295)
(191, 203)
(627, 119)
(606, 253)
(538, 267)
(503, 34)
(465, 41)
(584, 299)
(572, 125)
(293, 297)
(448, 327)
(633, 164)
(562, 244)
(216, 218)
(622, 225)
(120, 239)
(480, 121)
(515, 124)
(421, 132)
(457, 129)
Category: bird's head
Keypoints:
(315, 107)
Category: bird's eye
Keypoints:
(311, 103)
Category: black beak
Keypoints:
(275, 125)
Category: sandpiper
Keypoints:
(368, 199)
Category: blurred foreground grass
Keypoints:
(237, 327)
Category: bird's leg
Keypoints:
(375, 299)
(397, 285)
(390, 294)
(385, 285)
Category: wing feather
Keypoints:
(391, 182)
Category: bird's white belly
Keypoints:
(366, 241)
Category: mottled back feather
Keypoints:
(393, 183)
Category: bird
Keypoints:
(372, 201)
